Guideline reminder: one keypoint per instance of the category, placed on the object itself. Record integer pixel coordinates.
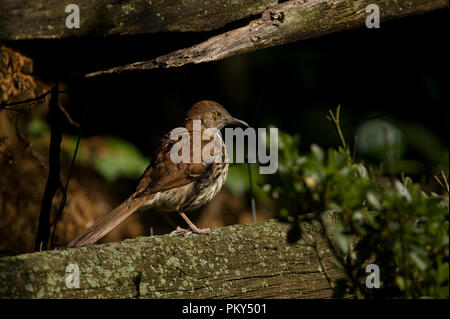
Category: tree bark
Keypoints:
(240, 261)
(45, 19)
(284, 23)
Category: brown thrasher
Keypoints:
(175, 187)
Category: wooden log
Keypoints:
(240, 261)
(284, 23)
(45, 19)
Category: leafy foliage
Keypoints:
(389, 222)
(119, 159)
(111, 157)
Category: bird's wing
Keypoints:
(161, 175)
(164, 174)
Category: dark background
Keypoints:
(397, 73)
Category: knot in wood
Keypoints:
(277, 17)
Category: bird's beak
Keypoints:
(232, 121)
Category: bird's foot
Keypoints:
(195, 229)
(187, 232)
(206, 231)
(181, 231)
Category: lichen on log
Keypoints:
(240, 261)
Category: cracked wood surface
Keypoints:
(240, 261)
(284, 23)
(45, 19)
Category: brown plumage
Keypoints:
(174, 187)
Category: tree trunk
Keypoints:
(240, 261)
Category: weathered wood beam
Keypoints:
(45, 19)
(284, 23)
(240, 261)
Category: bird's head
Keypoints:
(212, 115)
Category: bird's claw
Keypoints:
(181, 231)
(187, 232)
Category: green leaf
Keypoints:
(37, 126)
(120, 159)
(418, 261)
(341, 239)
(373, 200)
(318, 153)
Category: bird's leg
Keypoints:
(194, 228)
(178, 230)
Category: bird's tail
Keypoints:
(118, 215)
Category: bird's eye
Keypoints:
(217, 114)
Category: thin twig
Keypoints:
(355, 140)
(53, 180)
(64, 192)
(68, 117)
(439, 181)
(335, 119)
(69, 174)
(444, 182)
(39, 98)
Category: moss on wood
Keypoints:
(45, 19)
(240, 261)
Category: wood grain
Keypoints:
(286, 22)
